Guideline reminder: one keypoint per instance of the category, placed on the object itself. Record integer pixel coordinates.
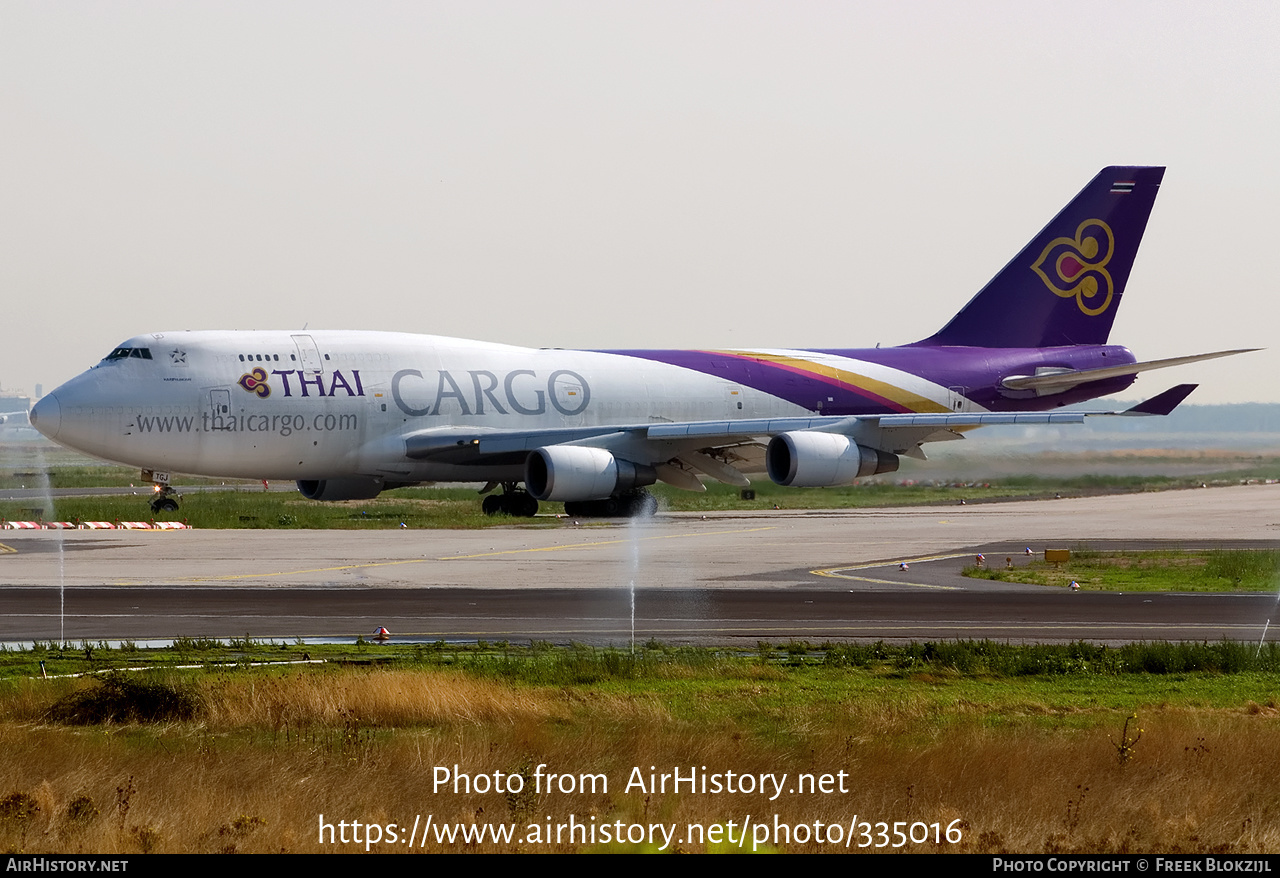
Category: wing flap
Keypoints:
(747, 427)
(717, 469)
(679, 477)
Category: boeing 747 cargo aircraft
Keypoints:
(348, 414)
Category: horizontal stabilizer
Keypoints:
(1163, 403)
(1060, 381)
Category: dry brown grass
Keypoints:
(381, 698)
(272, 755)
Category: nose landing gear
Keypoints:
(165, 499)
(165, 504)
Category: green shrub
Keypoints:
(120, 697)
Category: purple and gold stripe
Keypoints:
(777, 374)
(894, 398)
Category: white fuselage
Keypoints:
(282, 405)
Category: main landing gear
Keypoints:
(513, 500)
(637, 503)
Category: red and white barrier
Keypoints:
(94, 525)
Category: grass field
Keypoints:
(1218, 570)
(1152, 747)
(1015, 749)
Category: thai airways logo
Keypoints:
(1079, 266)
(256, 382)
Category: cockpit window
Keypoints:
(129, 353)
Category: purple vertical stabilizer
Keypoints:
(1065, 286)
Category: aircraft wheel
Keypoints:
(588, 508)
(637, 505)
(524, 505)
(493, 504)
(640, 504)
(644, 506)
(165, 504)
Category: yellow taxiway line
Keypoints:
(839, 572)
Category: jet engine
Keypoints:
(342, 489)
(574, 472)
(808, 459)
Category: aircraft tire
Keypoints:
(523, 505)
(644, 505)
(633, 504)
(493, 504)
(587, 508)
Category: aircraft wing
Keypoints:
(720, 448)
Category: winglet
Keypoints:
(1163, 403)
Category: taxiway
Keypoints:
(726, 578)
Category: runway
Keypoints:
(729, 578)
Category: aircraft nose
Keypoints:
(46, 416)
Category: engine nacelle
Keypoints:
(574, 472)
(342, 489)
(807, 459)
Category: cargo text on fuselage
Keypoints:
(520, 391)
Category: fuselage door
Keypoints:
(219, 405)
(737, 402)
(955, 397)
(308, 353)
(570, 397)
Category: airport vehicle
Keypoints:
(348, 414)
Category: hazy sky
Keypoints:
(599, 174)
